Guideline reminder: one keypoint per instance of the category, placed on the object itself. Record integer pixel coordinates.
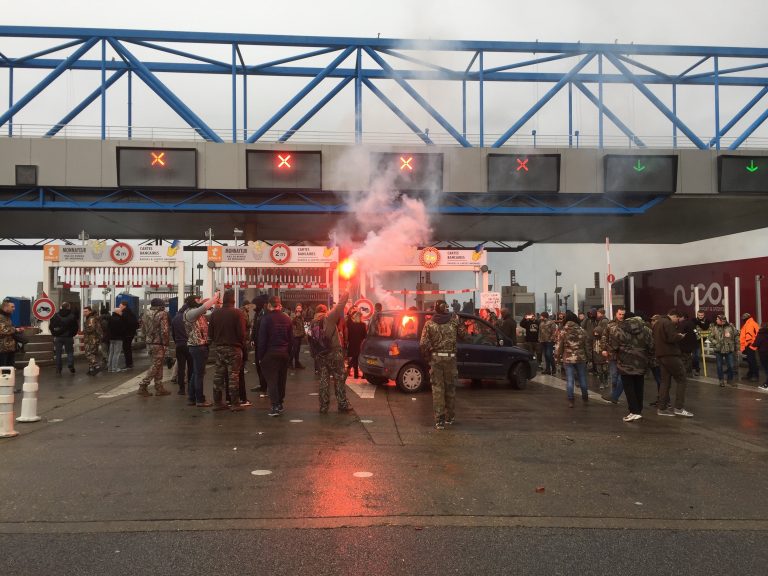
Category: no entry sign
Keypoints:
(43, 309)
(365, 307)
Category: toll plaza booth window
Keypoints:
(409, 327)
(478, 332)
(382, 325)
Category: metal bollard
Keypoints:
(7, 384)
(30, 388)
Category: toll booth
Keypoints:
(424, 260)
(100, 268)
(306, 274)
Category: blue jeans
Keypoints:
(67, 344)
(115, 347)
(570, 375)
(726, 358)
(549, 357)
(199, 358)
(617, 386)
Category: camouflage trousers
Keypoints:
(601, 373)
(229, 360)
(93, 354)
(443, 374)
(331, 365)
(155, 372)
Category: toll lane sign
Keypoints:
(43, 309)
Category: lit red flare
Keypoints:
(347, 268)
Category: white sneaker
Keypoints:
(632, 417)
(683, 412)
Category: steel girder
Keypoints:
(384, 59)
(135, 200)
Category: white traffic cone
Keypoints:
(30, 389)
(7, 383)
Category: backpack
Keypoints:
(319, 338)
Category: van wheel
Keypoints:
(411, 378)
(518, 376)
(376, 380)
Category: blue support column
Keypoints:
(416, 96)
(542, 101)
(130, 104)
(85, 103)
(674, 113)
(359, 98)
(315, 109)
(611, 116)
(733, 121)
(166, 95)
(303, 92)
(656, 102)
(399, 113)
(45, 82)
(245, 94)
(10, 99)
(570, 114)
(482, 121)
(103, 89)
(464, 108)
(600, 106)
(234, 92)
(717, 103)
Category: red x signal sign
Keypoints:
(522, 164)
(284, 161)
(158, 158)
(405, 163)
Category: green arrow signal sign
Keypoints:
(639, 167)
(752, 167)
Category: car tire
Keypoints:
(412, 378)
(518, 376)
(376, 380)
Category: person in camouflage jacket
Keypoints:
(92, 335)
(572, 352)
(631, 344)
(609, 335)
(724, 340)
(547, 338)
(157, 333)
(438, 345)
(599, 362)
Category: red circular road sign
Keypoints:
(121, 253)
(611, 278)
(43, 309)
(429, 257)
(280, 253)
(365, 307)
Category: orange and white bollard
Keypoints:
(7, 383)
(30, 389)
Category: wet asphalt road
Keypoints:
(111, 483)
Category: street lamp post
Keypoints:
(558, 289)
(199, 285)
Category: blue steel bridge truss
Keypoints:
(376, 63)
(379, 66)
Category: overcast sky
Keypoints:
(700, 22)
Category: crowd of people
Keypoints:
(620, 351)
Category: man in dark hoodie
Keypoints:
(438, 345)
(131, 324)
(227, 332)
(666, 343)
(184, 365)
(275, 336)
(64, 327)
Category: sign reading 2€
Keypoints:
(121, 253)
(280, 253)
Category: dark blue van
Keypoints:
(391, 351)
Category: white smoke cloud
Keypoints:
(393, 224)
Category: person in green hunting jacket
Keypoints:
(724, 339)
(572, 352)
(632, 348)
